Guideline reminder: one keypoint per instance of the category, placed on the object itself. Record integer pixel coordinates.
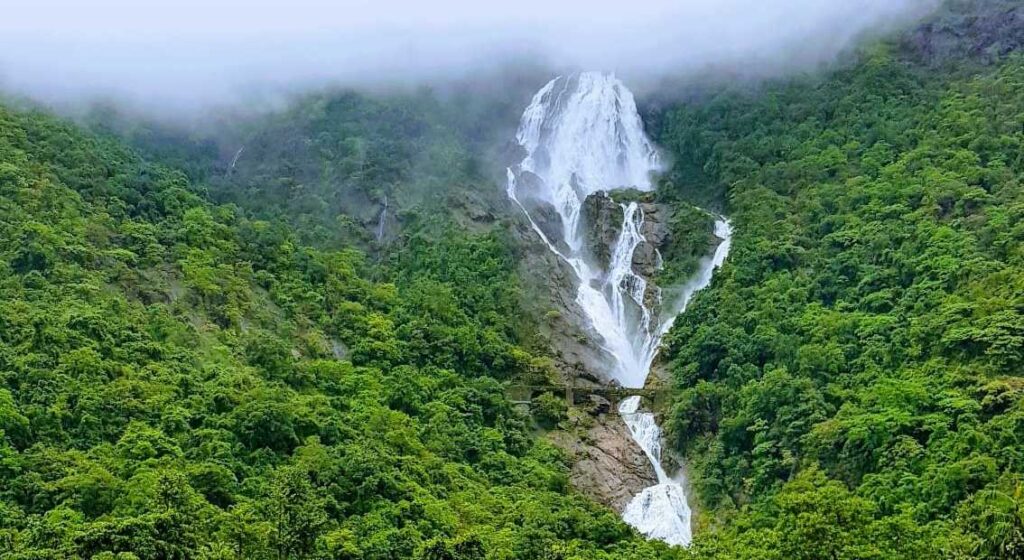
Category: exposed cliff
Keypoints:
(607, 465)
(969, 30)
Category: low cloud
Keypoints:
(186, 54)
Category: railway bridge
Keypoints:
(523, 395)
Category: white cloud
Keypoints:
(187, 52)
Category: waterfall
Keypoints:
(382, 220)
(660, 511)
(234, 160)
(582, 134)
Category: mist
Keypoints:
(184, 55)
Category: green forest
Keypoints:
(207, 352)
(851, 386)
(181, 380)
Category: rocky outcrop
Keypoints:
(544, 216)
(983, 30)
(607, 465)
(602, 222)
(647, 257)
(549, 288)
(602, 218)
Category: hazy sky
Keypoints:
(191, 52)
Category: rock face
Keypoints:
(985, 31)
(607, 464)
(550, 285)
(602, 218)
(647, 258)
(545, 217)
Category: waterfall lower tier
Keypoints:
(661, 511)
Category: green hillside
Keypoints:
(851, 385)
(213, 347)
(178, 380)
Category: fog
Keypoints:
(187, 54)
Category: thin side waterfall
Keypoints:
(382, 220)
(234, 160)
(582, 134)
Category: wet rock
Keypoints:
(549, 222)
(655, 228)
(646, 260)
(647, 257)
(549, 288)
(601, 218)
(546, 218)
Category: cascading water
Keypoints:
(382, 220)
(661, 511)
(582, 134)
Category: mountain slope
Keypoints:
(178, 380)
(851, 385)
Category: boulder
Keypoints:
(598, 405)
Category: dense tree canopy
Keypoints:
(179, 380)
(205, 352)
(850, 386)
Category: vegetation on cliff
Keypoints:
(205, 352)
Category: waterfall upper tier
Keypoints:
(582, 134)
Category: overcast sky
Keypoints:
(192, 52)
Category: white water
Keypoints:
(582, 134)
(382, 220)
(234, 160)
(660, 511)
